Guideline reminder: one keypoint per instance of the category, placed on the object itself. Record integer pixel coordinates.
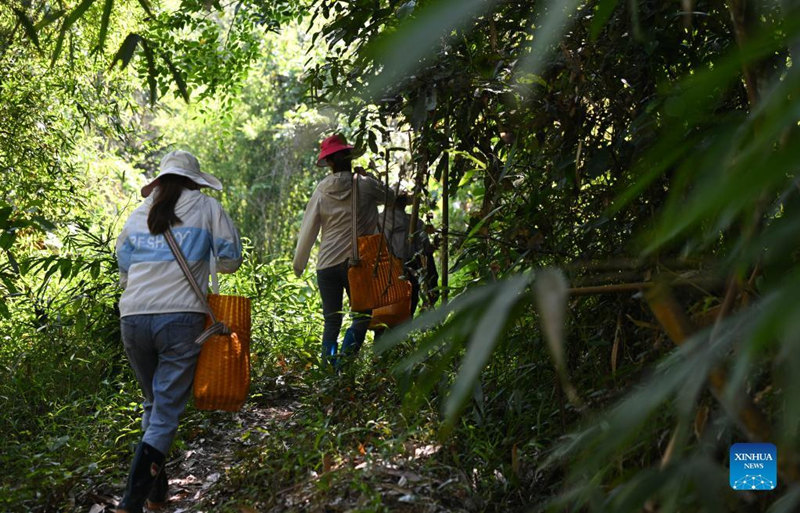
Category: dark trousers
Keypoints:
(332, 282)
(414, 292)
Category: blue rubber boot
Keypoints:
(329, 349)
(349, 347)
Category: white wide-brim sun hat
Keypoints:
(182, 163)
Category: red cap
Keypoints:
(331, 145)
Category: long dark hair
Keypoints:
(162, 213)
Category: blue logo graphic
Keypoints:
(753, 467)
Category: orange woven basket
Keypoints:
(391, 315)
(222, 377)
(375, 285)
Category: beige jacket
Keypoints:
(329, 210)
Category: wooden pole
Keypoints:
(421, 167)
(614, 288)
(445, 223)
(609, 289)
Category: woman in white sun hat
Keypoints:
(160, 314)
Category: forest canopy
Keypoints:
(610, 188)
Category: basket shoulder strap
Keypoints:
(216, 326)
(354, 220)
(181, 259)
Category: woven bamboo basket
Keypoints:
(222, 377)
(373, 285)
(391, 315)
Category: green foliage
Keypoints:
(64, 382)
(619, 141)
(259, 140)
(685, 130)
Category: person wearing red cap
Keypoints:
(330, 211)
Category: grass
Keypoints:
(364, 440)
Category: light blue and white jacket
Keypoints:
(152, 279)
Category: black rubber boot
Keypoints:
(147, 464)
(159, 493)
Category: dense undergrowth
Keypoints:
(646, 149)
(71, 404)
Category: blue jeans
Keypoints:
(163, 356)
(332, 282)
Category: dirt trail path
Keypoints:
(212, 442)
(209, 450)
(209, 453)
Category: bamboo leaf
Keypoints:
(77, 13)
(602, 13)
(49, 19)
(459, 327)
(682, 375)
(551, 292)
(178, 77)
(694, 99)
(551, 23)
(435, 317)
(151, 71)
(482, 342)
(147, 7)
(65, 267)
(788, 503)
(126, 50)
(12, 261)
(750, 176)
(7, 239)
(59, 44)
(30, 30)
(479, 225)
(104, 21)
(615, 346)
(400, 52)
(5, 213)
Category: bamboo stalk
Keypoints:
(609, 289)
(422, 166)
(679, 328)
(445, 223)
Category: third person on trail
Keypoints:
(415, 251)
(330, 211)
